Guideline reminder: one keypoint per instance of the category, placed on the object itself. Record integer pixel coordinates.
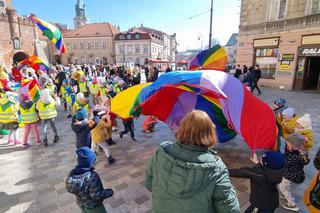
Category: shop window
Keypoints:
(267, 59)
(300, 67)
(314, 7)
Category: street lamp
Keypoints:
(210, 34)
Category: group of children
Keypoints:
(281, 170)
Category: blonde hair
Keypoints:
(197, 129)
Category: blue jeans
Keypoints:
(44, 125)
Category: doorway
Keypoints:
(19, 56)
(312, 73)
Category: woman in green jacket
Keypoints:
(188, 176)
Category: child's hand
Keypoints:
(254, 158)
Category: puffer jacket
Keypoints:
(293, 166)
(87, 188)
(308, 134)
(288, 127)
(189, 178)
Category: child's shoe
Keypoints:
(11, 141)
(294, 208)
(56, 139)
(24, 146)
(45, 142)
(17, 142)
(111, 160)
(133, 140)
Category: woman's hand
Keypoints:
(254, 158)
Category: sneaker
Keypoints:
(45, 142)
(24, 146)
(111, 142)
(56, 139)
(133, 140)
(69, 116)
(11, 142)
(17, 142)
(121, 135)
(39, 143)
(294, 208)
(111, 160)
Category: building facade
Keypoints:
(90, 44)
(231, 49)
(20, 37)
(138, 44)
(283, 37)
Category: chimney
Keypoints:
(141, 24)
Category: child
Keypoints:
(82, 127)
(102, 132)
(81, 102)
(9, 117)
(264, 178)
(149, 123)
(128, 127)
(46, 107)
(83, 86)
(29, 117)
(63, 93)
(85, 183)
(293, 170)
(288, 122)
(279, 105)
(103, 91)
(51, 87)
(94, 90)
(304, 127)
(70, 99)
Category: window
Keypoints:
(104, 45)
(89, 45)
(267, 59)
(68, 46)
(97, 60)
(1, 4)
(145, 48)
(315, 7)
(121, 49)
(122, 37)
(16, 43)
(129, 48)
(137, 36)
(81, 46)
(277, 9)
(137, 48)
(75, 46)
(282, 9)
(96, 45)
(129, 36)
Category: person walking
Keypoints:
(238, 71)
(257, 76)
(187, 175)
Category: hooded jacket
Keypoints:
(263, 183)
(189, 178)
(83, 133)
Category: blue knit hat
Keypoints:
(86, 158)
(273, 160)
(280, 102)
(81, 114)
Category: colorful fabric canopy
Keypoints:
(210, 59)
(35, 63)
(51, 32)
(231, 107)
(30, 88)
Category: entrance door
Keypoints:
(312, 73)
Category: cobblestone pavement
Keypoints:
(32, 180)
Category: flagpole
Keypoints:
(210, 34)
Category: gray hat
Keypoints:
(296, 140)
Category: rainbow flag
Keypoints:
(35, 63)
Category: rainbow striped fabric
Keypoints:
(35, 63)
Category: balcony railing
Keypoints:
(313, 19)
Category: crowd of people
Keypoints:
(183, 176)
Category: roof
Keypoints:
(132, 31)
(103, 29)
(233, 40)
(152, 31)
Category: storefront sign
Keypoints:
(312, 39)
(309, 51)
(287, 57)
(266, 42)
(285, 65)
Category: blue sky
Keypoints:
(170, 16)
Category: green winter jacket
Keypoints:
(189, 178)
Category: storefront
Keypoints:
(307, 76)
(266, 52)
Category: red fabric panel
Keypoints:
(258, 123)
(161, 104)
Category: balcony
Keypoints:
(276, 25)
(313, 19)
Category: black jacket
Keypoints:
(293, 166)
(263, 183)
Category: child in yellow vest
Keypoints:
(83, 86)
(304, 127)
(9, 117)
(29, 117)
(50, 85)
(47, 112)
(81, 102)
(103, 91)
(94, 90)
(63, 93)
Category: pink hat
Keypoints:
(95, 80)
(25, 97)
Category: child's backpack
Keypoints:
(312, 195)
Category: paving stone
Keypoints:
(116, 203)
(142, 199)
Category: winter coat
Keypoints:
(83, 133)
(316, 161)
(87, 188)
(288, 127)
(308, 134)
(257, 74)
(237, 73)
(102, 131)
(148, 121)
(293, 166)
(189, 178)
(263, 183)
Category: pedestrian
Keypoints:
(102, 133)
(312, 194)
(249, 78)
(46, 107)
(287, 121)
(85, 183)
(293, 174)
(30, 118)
(155, 74)
(149, 123)
(146, 72)
(168, 69)
(94, 90)
(304, 127)
(60, 77)
(264, 178)
(257, 76)
(128, 127)
(238, 71)
(81, 102)
(244, 69)
(82, 127)
(187, 175)
(9, 117)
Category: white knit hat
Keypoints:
(289, 112)
(305, 121)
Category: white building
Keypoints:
(231, 49)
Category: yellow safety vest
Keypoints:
(83, 87)
(9, 115)
(103, 92)
(94, 89)
(29, 116)
(52, 88)
(47, 111)
(78, 106)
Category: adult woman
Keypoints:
(188, 176)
